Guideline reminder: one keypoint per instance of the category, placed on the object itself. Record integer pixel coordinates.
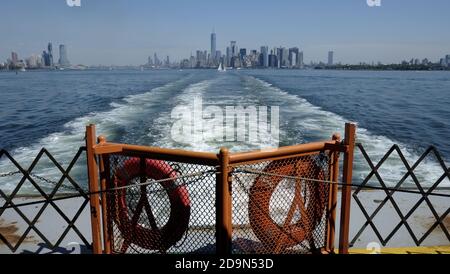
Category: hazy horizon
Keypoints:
(118, 32)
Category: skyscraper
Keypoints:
(285, 59)
(300, 59)
(63, 60)
(46, 58)
(292, 52)
(265, 56)
(14, 58)
(213, 47)
(330, 58)
(233, 47)
(50, 54)
(242, 54)
(156, 60)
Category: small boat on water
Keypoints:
(23, 70)
(221, 68)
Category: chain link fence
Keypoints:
(280, 206)
(174, 215)
(157, 206)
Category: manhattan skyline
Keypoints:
(125, 33)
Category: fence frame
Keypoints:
(224, 162)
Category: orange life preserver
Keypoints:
(311, 205)
(149, 237)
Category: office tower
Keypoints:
(242, 54)
(32, 61)
(330, 58)
(14, 57)
(285, 57)
(167, 61)
(291, 52)
(50, 54)
(149, 61)
(155, 59)
(218, 56)
(63, 60)
(265, 56)
(228, 56)
(213, 47)
(273, 60)
(300, 59)
(233, 48)
(447, 59)
(46, 58)
(293, 60)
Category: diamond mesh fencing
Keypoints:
(160, 206)
(280, 206)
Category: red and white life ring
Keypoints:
(311, 205)
(149, 237)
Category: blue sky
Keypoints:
(127, 31)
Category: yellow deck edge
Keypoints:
(404, 250)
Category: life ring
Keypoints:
(149, 237)
(275, 237)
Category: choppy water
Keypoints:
(51, 109)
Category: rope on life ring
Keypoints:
(149, 236)
(311, 204)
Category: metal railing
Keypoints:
(156, 200)
(47, 193)
(420, 191)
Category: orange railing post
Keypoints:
(349, 142)
(223, 205)
(332, 204)
(94, 200)
(104, 176)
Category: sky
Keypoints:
(122, 32)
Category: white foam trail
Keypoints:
(64, 144)
(320, 123)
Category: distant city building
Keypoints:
(242, 54)
(63, 60)
(265, 56)
(234, 50)
(14, 58)
(293, 60)
(156, 60)
(228, 56)
(213, 52)
(46, 59)
(292, 52)
(300, 63)
(447, 59)
(330, 58)
(167, 64)
(33, 61)
(284, 57)
(50, 55)
(218, 56)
